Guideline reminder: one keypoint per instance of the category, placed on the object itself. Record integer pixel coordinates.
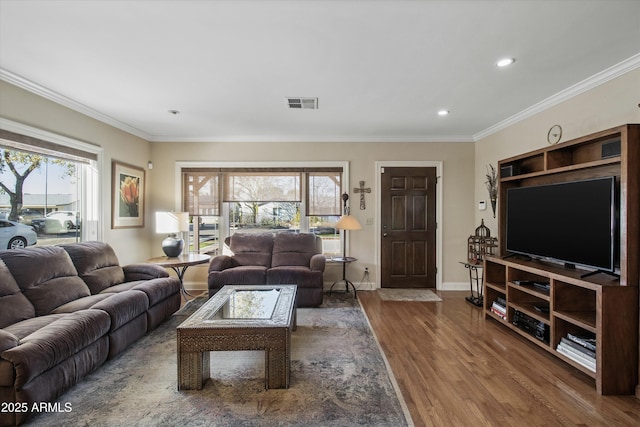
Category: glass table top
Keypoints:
(245, 306)
(249, 304)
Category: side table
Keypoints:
(180, 264)
(347, 283)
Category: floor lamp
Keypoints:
(345, 223)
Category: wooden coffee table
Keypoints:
(239, 318)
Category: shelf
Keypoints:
(532, 290)
(583, 319)
(497, 286)
(575, 364)
(599, 305)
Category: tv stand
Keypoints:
(593, 273)
(580, 302)
(517, 256)
(596, 307)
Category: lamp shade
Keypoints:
(172, 222)
(348, 222)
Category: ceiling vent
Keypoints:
(304, 103)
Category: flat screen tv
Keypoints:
(570, 222)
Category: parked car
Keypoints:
(56, 222)
(27, 215)
(14, 235)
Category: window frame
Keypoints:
(92, 172)
(224, 214)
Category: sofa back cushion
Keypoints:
(45, 275)
(97, 264)
(15, 306)
(252, 248)
(294, 249)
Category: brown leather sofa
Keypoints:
(270, 259)
(64, 311)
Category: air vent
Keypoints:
(305, 103)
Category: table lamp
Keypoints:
(172, 223)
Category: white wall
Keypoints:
(131, 245)
(458, 185)
(608, 105)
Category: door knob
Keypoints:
(384, 234)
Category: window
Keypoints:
(49, 183)
(223, 201)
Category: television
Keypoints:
(569, 222)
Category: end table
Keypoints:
(347, 283)
(180, 264)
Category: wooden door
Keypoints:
(408, 221)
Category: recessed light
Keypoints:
(505, 62)
(443, 112)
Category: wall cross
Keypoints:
(362, 190)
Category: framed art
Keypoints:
(127, 195)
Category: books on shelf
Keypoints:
(586, 342)
(579, 349)
(499, 308)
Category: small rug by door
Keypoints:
(339, 377)
(389, 294)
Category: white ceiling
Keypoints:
(380, 69)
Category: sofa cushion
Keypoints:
(46, 288)
(15, 306)
(252, 248)
(156, 289)
(29, 326)
(293, 249)
(294, 275)
(123, 307)
(96, 263)
(80, 303)
(56, 342)
(242, 275)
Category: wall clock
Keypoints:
(554, 134)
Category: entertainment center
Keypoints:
(571, 295)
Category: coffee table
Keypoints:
(238, 318)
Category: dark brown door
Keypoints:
(408, 235)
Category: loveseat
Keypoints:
(269, 259)
(64, 311)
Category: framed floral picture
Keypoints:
(127, 195)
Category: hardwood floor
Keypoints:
(454, 368)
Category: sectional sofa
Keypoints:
(64, 311)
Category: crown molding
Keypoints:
(39, 90)
(585, 85)
(309, 139)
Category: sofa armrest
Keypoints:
(143, 272)
(317, 262)
(8, 340)
(221, 262)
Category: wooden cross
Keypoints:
(362, 190)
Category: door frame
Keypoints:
(439, 197)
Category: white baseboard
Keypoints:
(455, 286)
(196, 286)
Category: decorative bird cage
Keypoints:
(481, 244)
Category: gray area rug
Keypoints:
(388, 294)
(339, 377)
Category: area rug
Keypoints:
(339, 377)
(388, 294)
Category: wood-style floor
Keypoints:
(454, 368)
